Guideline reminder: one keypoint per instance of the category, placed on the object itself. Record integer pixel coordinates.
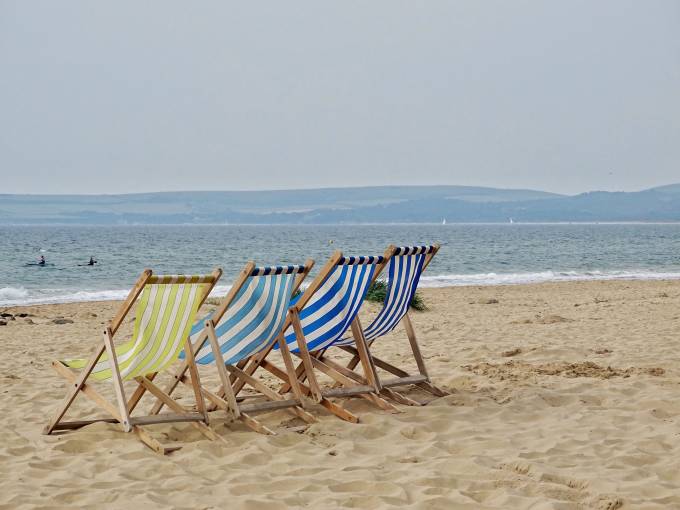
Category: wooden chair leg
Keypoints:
(372, 397)
(364, 355)
(89, 392)
(117, 380)
(300, 375)
(425, 385)
(334, 408)
(252, 364)
(388, 367)
(290, 368)
(176, 378)
(339, 411)
(232, 379)
(399, 398)
(353, 362)
(271, 394)
(222, 370)
(351, 365)
(170, 403)
(415, 348)
(195, 381)
(75, 389)
(248, 420)
(139, 392)
(98, 399)
(304, 355)
(385, 392)
(343, 370)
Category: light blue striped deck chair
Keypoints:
(249, 320)
(405, 267)
(320, 317)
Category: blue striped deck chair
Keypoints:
(405, 267)
(166, 309)
(324, 312)
(248, 320)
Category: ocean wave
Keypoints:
(12, 296)
(454, 280)
(16, 296)
(12, 293)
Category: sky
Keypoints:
(130, 96)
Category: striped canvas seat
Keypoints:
(164, 315)
(332, 308)
(254, 317)
(404, 269)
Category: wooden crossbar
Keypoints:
(172, 279)
(403, 381)
(166, 418)
(270, 405)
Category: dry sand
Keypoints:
(563, 396)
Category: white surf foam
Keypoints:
(12, 293)
(15, 296)
(11, 296)
(453, 280)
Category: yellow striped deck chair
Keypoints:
(166, 309)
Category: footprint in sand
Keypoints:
(416, 433)
(512, 352)
(552, 319)
(75, 446)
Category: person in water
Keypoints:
(92, 262)
(41, 262)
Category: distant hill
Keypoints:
(382, 204)
(670, 188)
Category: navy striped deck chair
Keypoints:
(324, 312)
(405, 267)
(249, 320)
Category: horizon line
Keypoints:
(322, 188)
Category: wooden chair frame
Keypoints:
(122, 413)
(367, 387)
(402, 378)
(233, 378)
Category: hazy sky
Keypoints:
(131, 96)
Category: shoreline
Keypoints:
(427, 282)
(425, 290)
(349, 224)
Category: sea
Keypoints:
(471, 254)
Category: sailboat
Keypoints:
(443, 221)
(511, 221)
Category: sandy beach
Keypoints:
(563, 396)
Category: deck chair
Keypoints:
(405, 266)
(318, 318)
(248, 320)
(166, 309)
